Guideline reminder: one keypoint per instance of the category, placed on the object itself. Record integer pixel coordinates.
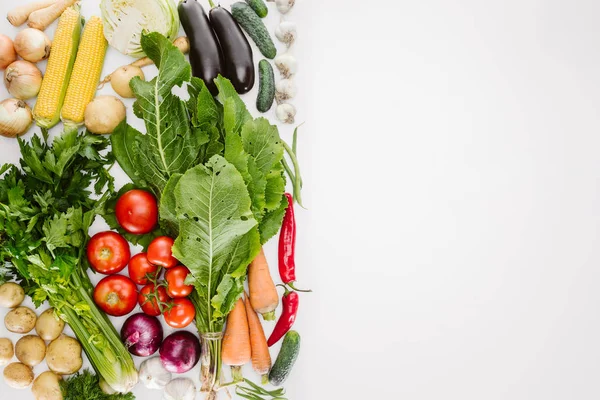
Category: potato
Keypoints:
(18, 375)
(20, 320)
(47, 387)
(6, 351)
(103, 114)
(30, 350)
(11, 295)
(119, 80)
(48, 325)
(64, 355)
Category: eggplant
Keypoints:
(206, 56)
(237, 53)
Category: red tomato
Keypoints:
(181, 314)
(116, 295)
(159, 252)
(175, 278)
(108, 252)
(137, 211)
(147, 299)
(139, 269)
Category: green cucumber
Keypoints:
(255, 28)
(259, 7)
(285, 359)
(266, 86)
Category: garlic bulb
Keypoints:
(284, 5)
(153, 375)
(23, 80)
(180, 389)
(285, 89)
(286, 32)
(286, 64)
(32, 45)
(15, 117)
(286, 113)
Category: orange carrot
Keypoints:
(41, 19)
(261, 358)
(236, 350)
(263, 293)
(18, 16)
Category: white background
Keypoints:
(450, 158)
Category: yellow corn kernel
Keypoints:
(58, 72)
(86, 72)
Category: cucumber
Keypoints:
(266, 86)
(255, 28)
(259, 7)
(285, 359)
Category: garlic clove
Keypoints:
(180, 389)
(286, 113)
(285, 89)
(286, 32)
(286, 64)
(153, 374)
(284, 6)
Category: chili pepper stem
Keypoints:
(294, 288)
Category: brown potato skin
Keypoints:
(48, 326)
(30, 350)
(18, 375)
(47, 387)
(6, 350)
(64, 355)
(11, 295)
(20, 320)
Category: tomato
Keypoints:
(139, 269)
(108, 252)
(159, 252)
(175, 278)
(116, 295)
(181, 314)
(147, 299)
(137, 211)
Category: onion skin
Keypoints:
(142, 334)
(15, 117)
(23, 80)
(8, 55)
(32, 45)
(180, 352)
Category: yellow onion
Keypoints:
(23, 80)
(32, 45)
(7, 51)
(15, 117)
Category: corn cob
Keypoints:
(58, 72)
(86, 72)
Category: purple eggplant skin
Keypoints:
(239, 64)
(206, 56)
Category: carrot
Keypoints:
(41, 19)
(18, 16)
(263, 293)
(236, 349)
(182, 43)
(261, 359)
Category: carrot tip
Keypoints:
(270, 316)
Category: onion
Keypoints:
(180, 351)
(142, 334)
(32, 45)
(15, 117)
(7, 52)
(23, 79)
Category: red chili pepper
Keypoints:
(287, 244)
(289, 302)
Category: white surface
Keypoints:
(451, 173)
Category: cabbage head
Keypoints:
(125, 20)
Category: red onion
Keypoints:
(142, 334)
(180, 351)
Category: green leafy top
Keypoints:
(183, 133)
(86, 385)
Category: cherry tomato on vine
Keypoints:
(160, 253)
(147, 299)
(175, 278)
(137, 211)
(108, 252)
(116, 295)
(139, 268)
(181, 313)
